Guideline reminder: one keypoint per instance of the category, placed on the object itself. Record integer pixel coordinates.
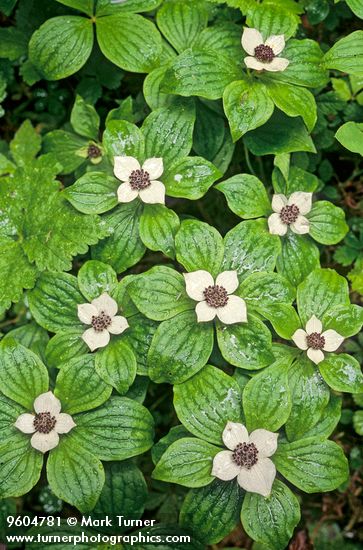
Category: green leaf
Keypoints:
(130, 41)
(358, 422)
(356, 7)
(84, 119)
(181, 22)
(203, 73)
(342, 373)
(246, 196)
(314, 465)
(64, 346)
(121, 428)
(51, 235)
(206, 402)
(247, 106)
(85, 6)
(124, 247)
(158, 227)
(280, 134)
(306, 67)
(160, 293)
(266, 398)
(53, 302)
(68, 148)
(9, 412)
(350, 135)
(22, 374)
(328, 420)
(293, 101)
(124, 489)
(190, 178)
(151, 89)
(76, 476)
(132, 6)
(14, 267)
(222, 36)
(347, 54)
(169, 132)
(31, 336)
(121, 138)
(321, 291)
(249, 247)
(199, 246)
(26, 144)
(327, 223)
(246, 345)
(116, 365)
(180, 348)
(21, 466)
(271, 521)
(284, 319)
(95, 278)
(347, 320)
(296, 180)
(61, 46)
(212, 139)
(309, 397)
(175, 433)
(188, 462)
(212, 512)
(273, 18)
(139, 337)
(12, 42)
(79, 387)
(299, 256)
(262, 290)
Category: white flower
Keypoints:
(101, 314)
(46, 423)
(262, 55)
(247, 458)
(290, 213)
(140, 181)
(216, 299)
(315, 341)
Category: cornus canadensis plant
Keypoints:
(236, 480)
(232, 282)
(137, 206)
(120, 343)
(92, 426)
(291, 214)
(168, 229)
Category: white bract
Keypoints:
(262, 54)
(290, 212)
(140, 181)
(46, 423)
(101, 315)
(247, 458)
(216, 299)
(315, 341)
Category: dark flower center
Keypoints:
(264, 53)
(289, 214)
(139, 179)
(101, 321)
(93, 151)
(245, 454)
(216, 296)
(44, 422)
(315, 340)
